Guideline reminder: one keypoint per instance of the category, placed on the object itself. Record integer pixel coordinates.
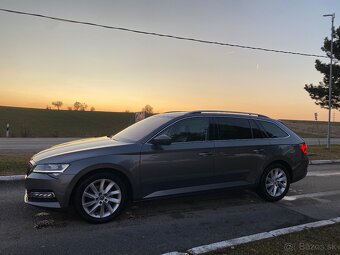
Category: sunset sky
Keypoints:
(44, 60)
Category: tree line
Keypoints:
(77, 106)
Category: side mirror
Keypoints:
(161, 140)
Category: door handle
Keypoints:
(205, 154)
(258, 150)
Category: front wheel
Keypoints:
(100, 197)
(274, 183)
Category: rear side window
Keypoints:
(257, 131)
(272, 130)
(189, 130)
(232, 128)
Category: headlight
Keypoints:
(50, 168)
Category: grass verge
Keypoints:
(324, 240)
(12, 164)
(316, 152)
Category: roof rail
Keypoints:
(173, 111)
(227, 112)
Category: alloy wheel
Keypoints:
(276, 182)
(101, 198)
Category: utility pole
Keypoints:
(330, 83)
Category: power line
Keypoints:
(163, 35)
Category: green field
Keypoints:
(27, 122)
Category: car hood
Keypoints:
(97, 146)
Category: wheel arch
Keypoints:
(130, 184)
(281, 162)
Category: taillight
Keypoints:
(303, 148)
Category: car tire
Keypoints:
(274, 183)
(100, 197)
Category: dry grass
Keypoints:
(11, 164)
(321, 152)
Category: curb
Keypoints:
(255, 237)
(12, 178)
(324, 161)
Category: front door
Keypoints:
(183, 166)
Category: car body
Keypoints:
(168, 154)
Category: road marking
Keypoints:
(12, 178)
(255, 237)
(322, 173)
(312, 195)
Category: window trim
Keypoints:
(257, 121)
(212, 123)
(173, 123)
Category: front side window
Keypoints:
(272, 130)
(189, 130)
(232, 128)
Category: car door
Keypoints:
(184, 165)
(238, 155)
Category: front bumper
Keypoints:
(42, 203)
(58, 185)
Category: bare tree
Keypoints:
(147, 109)
(92, 109)
(69, 108)
(57, 104)
(127, 110)
(48, 107)
(83, 107)
(77, 106)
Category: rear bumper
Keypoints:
(300, 171)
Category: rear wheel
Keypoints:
(274, 183)
(100, 197)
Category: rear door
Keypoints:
(182, 166)
(238, 155)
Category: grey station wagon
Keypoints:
(166, 155)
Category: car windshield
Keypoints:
(141, 129)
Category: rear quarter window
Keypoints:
(272, 130)
(258, 132)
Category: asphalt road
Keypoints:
(159, 226)
(31, 145)
(22, 145)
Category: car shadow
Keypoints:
(171, 207)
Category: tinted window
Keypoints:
(272, 130)
(257, 131)
(232, 128)
(141, 129)
(189, 130)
